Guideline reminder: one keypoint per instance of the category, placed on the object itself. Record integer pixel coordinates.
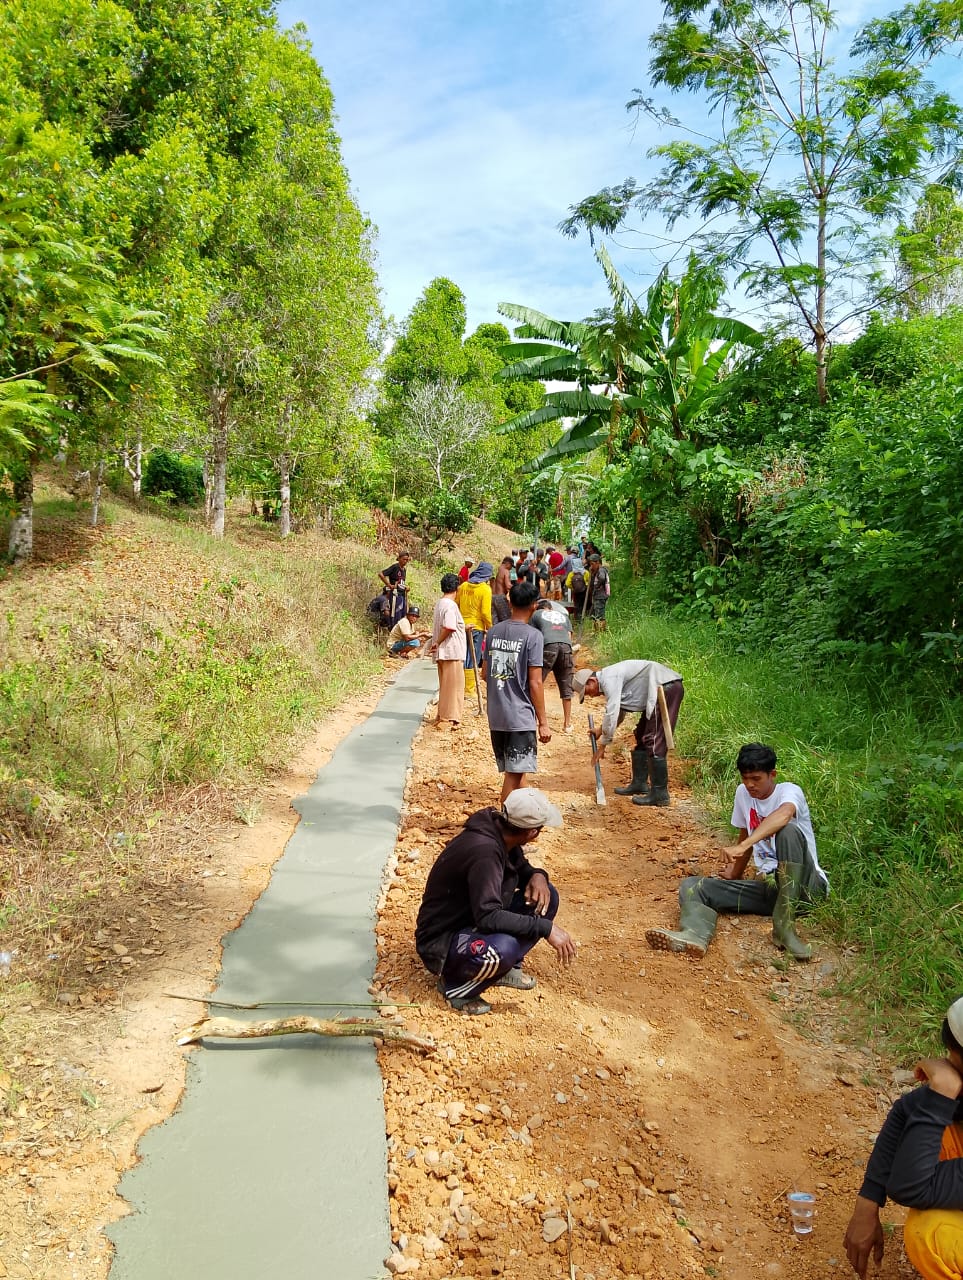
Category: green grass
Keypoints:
(881, 763)
(124, 689)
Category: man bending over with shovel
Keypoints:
(634, 686)
(776, 830)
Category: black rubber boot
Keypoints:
(697, 926)
(789, 877)
(639, 786)
(659, 794)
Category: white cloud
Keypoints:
(469, 130)
(470, 126)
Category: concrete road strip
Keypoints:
(274, 1163)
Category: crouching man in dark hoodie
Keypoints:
(485, 906)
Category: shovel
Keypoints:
(599, 787)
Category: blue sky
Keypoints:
(468, 128)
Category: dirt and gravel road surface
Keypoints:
(635, 1115)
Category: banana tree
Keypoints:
(632, 365)
(561, 483)
(644, 373)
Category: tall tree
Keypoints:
(439, 433)
(660, 366)
(929, 277)
(312, 295)
(808, 162)
(189, 146)
(66, 337)
(428, 347)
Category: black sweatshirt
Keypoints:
(905, 1164)
(470, 886)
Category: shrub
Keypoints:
(351, 519)
(445, 512)
(177, 480)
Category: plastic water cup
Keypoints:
(802, 1207)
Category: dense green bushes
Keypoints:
(175, 479)
(848, 541)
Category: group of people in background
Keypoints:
(575, 576)
(569, 585)
(486, 599)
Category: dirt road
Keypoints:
(658, 1108)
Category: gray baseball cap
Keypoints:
(954, 1016)
(529, 807)
(580, 680)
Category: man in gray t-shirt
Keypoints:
(516, 704)
(553, 621)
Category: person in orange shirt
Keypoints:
(918, 1161)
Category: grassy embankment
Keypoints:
(149, 675)
(881, 762)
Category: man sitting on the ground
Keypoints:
(485, 906)
(776, 829)
(918, 1161)
(403, 640)
(379, 610)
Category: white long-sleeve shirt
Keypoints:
(630, 686)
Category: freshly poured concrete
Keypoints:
(274, 1164)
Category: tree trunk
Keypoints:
(95, 497)
(284, 470)
(637, 538)
(232, 1029)
(20, 544)
(220, 407)
(133, 461)
(821, 388)
(819, 331)
(137, 472)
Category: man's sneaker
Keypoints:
(516, 978)
(469, 1004)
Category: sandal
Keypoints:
(470, 1005)
(516, 978)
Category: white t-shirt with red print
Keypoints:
(748, 813)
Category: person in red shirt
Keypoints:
(466, 568)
